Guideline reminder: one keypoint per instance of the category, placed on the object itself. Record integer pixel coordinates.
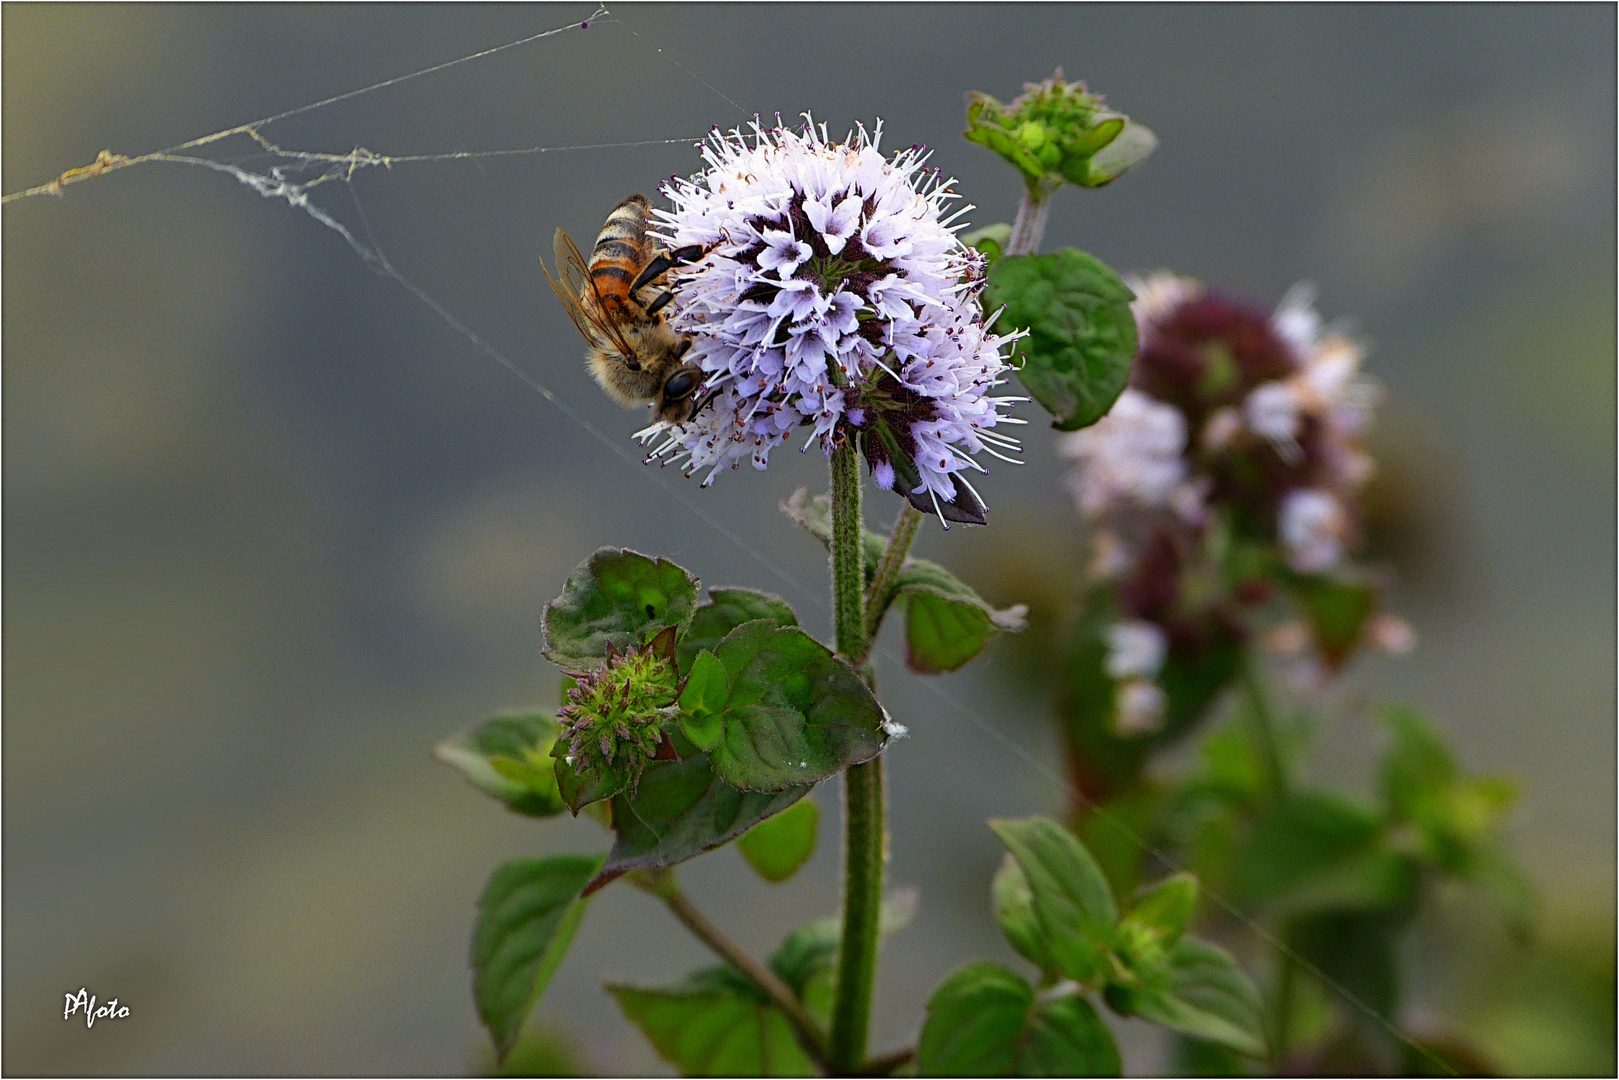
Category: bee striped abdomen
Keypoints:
(620, 252)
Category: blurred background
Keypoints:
(273, 529)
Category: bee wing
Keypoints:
(571, 266)
(589, 319)
(567, 291)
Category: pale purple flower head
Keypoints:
(1229, 407)
(1241, 432)
(837, 298)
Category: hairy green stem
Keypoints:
(1030, 227)
(662, 884)
(863, 859)
(862, 791)
(848, 576)
(899, 546)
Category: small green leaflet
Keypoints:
(779, 845)
(986, 1021)
(526, 919)
(509, 757)
(715, 1023)
(1072, 899)
(1082, 333)
(616, 597)
(682, 810)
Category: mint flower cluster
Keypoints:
(836, 298)
(1237, 422)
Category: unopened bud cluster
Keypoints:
(1058, 132)
(1045, 116)
(616, 714)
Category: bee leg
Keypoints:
(665, 261)
(658, 304)
(653, 270)
(690, 253)
(710, 396)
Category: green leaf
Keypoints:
(1417, 766)
(1199, 990)
(1072, 899)
(1129, 148)
(1065, 1037)
(947, 623)
(1013, 902)
(795, 714)
(542, 1050)
(1378, 878)
(526, 918)
(1111, 831)
(942, 636)
(619, 598)
(808, 952)
(509, 757)
(975, 1020)
(1010, 149)
(778, 846)
(1302, 838)
(1454, 816)
(682, 810)
(985, 1021)
(703, 701)
(714, 1024)
(1193, 681)
(579, 790)
(1166, 906)
(1337, 610)
(725, 610)
(1199, 1057)
(1082, 334)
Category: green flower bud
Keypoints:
(1140, 947)
(616, 715)
(1058, 132)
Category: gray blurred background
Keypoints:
(272, 529)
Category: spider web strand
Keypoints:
(107, 161)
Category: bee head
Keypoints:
(674, 403)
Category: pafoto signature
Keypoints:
(86, 1002)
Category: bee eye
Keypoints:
(680, 385)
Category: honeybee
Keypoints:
(616, 299)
